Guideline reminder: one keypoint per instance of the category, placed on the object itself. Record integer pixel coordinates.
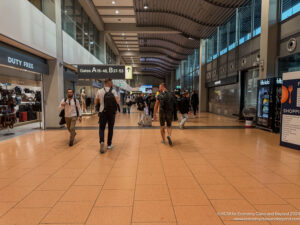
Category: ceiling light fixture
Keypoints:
(123, 34)
(113, 2)
(146, 6)
(117, 11)
(190, 38)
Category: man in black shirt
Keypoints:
(165, 102)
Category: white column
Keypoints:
(54, 82)
(202, 89)
(268, 38)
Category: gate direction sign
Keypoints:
(101, 71)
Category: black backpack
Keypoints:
(167, 102)
(110, 103)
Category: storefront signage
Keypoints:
(290, 121)
(13, 57)
(222, 82)
(101, 71)
(264, 82)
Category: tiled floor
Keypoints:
(205, 176)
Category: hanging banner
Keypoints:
(290, 111)
(101, 71)
(128, 72)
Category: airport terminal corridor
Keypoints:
(209, 171)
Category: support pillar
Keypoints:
(268, 38)
(102, 47)
(203, 92)
(54, 82)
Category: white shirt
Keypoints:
(70, 108)
(100, 95)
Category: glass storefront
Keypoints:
(224, 100)
(250, 88)
(289, 64)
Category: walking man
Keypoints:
(141, 108)
(195, 102)
(109, 100)
(184, 107)
(165, 102)
(72, 113)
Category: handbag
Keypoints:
(62, 116)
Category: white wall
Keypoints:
(74, 53)
(23, 22)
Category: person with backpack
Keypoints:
(152, 105)
(165, 103)
(109, 100)
(183, 105)
(141, 107)
(72, 112)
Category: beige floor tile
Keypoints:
(153, 211)
(188, 197)
(68, 173)
(14, 194)
(123, 172)
(24, 216)
(115, 198)
(182, 183)
(270, 178)
(110, 216)
(221, 191)
(177, 172)
(5, 206)
(151, 192)
(202, 169)
(294, 202)
(293, 179)
(40, 199)
(246, 223)
(91, 179)
(151, 179)
(68, 212)
(196, 215)
(58, 184)
(81, 194)
(154, 223)
(232, 206)
(210, 178)
(244, 182)
(285, 190)
(4, 183)
(261, 196)
(119, 183)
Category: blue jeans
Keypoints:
(106, 118)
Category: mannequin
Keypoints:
(83, 102)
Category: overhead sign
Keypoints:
(14, 57)
(290, 110)
(101, 71)
(128, 72)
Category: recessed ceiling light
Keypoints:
(123, 34)
(146, 6)
(117, 11)
(113, 2)
(191, 38)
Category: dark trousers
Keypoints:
(195, 109)
(106, 118)
(151, 112)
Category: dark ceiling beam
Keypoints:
(222, 5)
(187, 17)
(115, 7)
(161, 59)
(132, 28)
(119, 16)
(167, 56)
(167, 40)
(165, 48)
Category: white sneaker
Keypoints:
(110, 147)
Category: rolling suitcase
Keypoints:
(147, 121)
(23, 117)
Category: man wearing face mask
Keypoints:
(72, 113)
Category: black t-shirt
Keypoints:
(166, 101)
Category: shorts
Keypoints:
(165, 117)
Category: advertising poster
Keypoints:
(290, 122)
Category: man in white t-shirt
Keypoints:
(108, 99)
(72, 113)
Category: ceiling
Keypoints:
(159, 51)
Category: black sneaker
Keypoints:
(71, 143)
(102, 149)
(170, 141)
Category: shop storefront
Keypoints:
(224, 96)
(21, 87)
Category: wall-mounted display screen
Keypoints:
(146, 89)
